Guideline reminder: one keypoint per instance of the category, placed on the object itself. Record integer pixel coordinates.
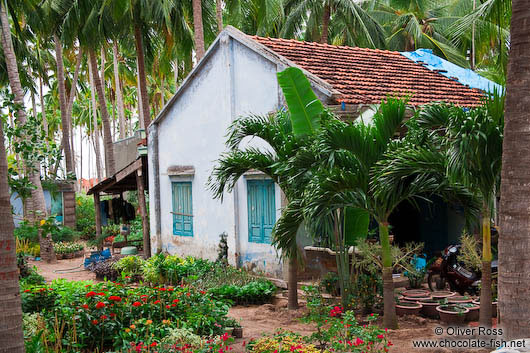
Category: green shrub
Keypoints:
(130, 266)
(257, 292)
(85, 216)
(330, 283)
(65, 234)
(27, 231)
(67, 248)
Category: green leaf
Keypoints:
(303, 104)
(356, 222)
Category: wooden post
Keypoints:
(143, 213)
(98, 216)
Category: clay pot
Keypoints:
(237, 332)
(473, 313)
(452, 314)
(408, 308)
(429, 308)
(459, 299)
(493, 306)
(416, 293)
(59, 256)
(442, 294)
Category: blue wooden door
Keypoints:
(261, 210)
(182, 209)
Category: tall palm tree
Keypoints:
(277, 131)
(473, 139)
(37, 194)
(11, 334)
(337, 21)
(514, 240)
(198, 29)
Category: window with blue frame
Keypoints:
(182, 209)
(261, 210)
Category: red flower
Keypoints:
(152, 344)
(112, 314)
(104, 317)
(188, 294)
(157, 302)
(85, 306)
(173, 305)
(137, 304)
(380, 337)
(102, 294)
(176, 301)
(100, 305)
(91, 294)
(170, 289)
(94, 322)
(88, 286)
(27, 291)
(202, 292)
(162, 289)
(115, 298)
(167, 306)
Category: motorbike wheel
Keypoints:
(436, 282)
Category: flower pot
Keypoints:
(459, 299)
(59, 256)
(237, 332)
(408, 308)
(416, 293)
(442, 294)
(417, 299)
(493, 306)
(429, 308)
(452, 314)
(473, 313)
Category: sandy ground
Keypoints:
(258, 320)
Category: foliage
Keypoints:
(370, 256)
(30, 232)
(257, 292)
(338, 330)
(330, 283)
(118, 315)
(27, 275)
(64, 234)
(105, 269)
(282, 342)
(470, 252)
(130, 266)
(222, 249)
(85, 216)
(67, 248)
(416, 276)
(368, 290)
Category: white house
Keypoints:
(237, 77)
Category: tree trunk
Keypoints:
(119, 97)
(219, 13)
(33, 171)
(110, 166)
(514, 242)
(292, 285)
(141, 76)
(43, 112)
(325, 24)
(198, 31)
(63, 106)
(70, 103)
(95, 134)
(389, 318)
(11, 334)
(485, 289)
(143, 212)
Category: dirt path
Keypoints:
(54, 271)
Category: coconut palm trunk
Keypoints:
(485, 290)
(95, 133)
(43, 112)
(292, 284)
(37, 194)
(514, 242)
(142, 81)
(198, 31)
(219, 15)
(110, 166)
(119, 96)
(325, 24)
(11, 334)
(389, 318)
(63, 106)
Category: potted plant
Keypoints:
(459, 299)
(473, 313)
(417, 299)
(452, 313)
(416, 293)
(429, 308)
(408, 308)
(442, 294)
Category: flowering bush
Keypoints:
(104, 315)
(282, 342)
(67, 248)
(339, 331)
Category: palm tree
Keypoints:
(473, 139)
(11, 334)
(515, 234)
(277, 131)
(37, 194)
(339, 21)
(198, 29)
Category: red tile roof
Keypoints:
(366, 76)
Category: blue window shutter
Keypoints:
(261, 210)
(182, 209)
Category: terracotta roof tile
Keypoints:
(366, 76)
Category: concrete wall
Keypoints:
(234, 81)
(126, 151)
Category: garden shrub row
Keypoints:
(115, 316)
(219, 279)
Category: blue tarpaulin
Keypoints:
(464, 76)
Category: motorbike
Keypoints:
(448, 271)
